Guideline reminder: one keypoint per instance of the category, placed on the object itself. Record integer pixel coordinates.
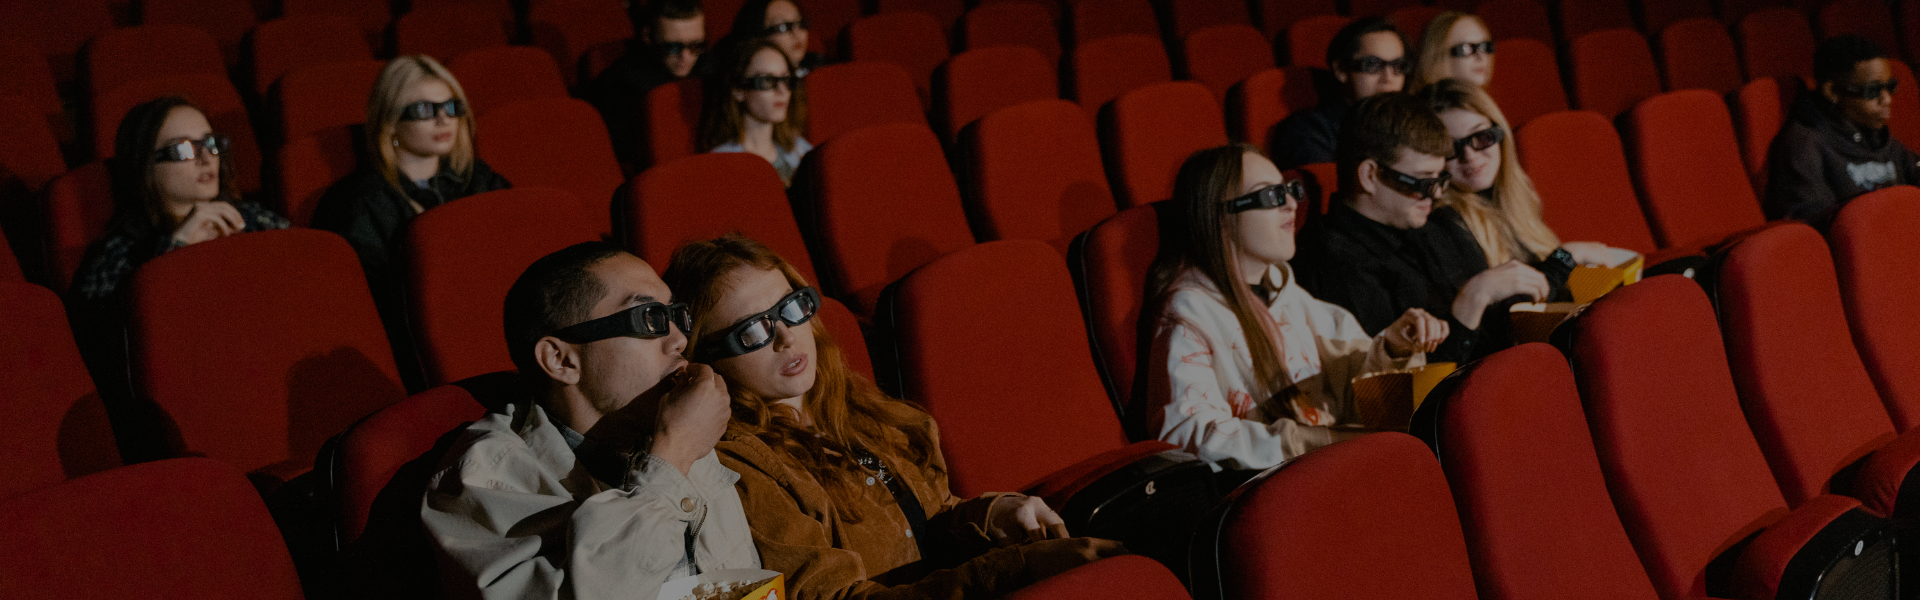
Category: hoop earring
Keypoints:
(396, 143)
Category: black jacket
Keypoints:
(620, 93)
(1819, 161)
(367, 211)
(1309, 136)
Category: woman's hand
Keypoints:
(1052, 557)
(209, 220)
(1415, 330)
(1021, 519)
(1592, 254)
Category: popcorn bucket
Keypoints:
(729, 584)
(1387, 399)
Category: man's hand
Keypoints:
(209, 220)
(693, 415)
(1415, 330)
(1021, 519)
(1052, 557)
(1510, 279)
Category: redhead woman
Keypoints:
(845, 488)
(756, 105)
(1455, 45)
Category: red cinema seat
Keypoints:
(1098, 19)
(369, 16)
(499, 9)
(33, 155)
(24, 74)
(58, 29)
(555, 142)
(60, 428)
(1017, 23)
(1034, 173)
(308, 166)
(1309, 526)
(1274, 16)
(1759, 110)
(289, 44)
(1149, 131)
(1867, 239)
(1776, 41)
(1412, 22)
(978, 82)
(1101, 70)
(1577, 18)
(1221, 56)
(183, 528)
(1734, 11)
(294, 355)
(1909, 24)
(1527, 81)
(226, 20)
(1580, 169)
(325, 97)
(447, 30)
(1907, 129)
(1110, 264)
(826, 20)
(1377, 8)
(568, 28)
(499, 76)
(375, 450)
(1866, 18)
(77, 208)
(719, 15)
(944, 12)
(705, 196)
(849, 96)
(1686, 166)
(880, 202)
(462, 257)
(1716, 524)
(1510, 19)
(672, 118)
(1806, 393)
(10, 266)
(1308, 39)
(911, 39)
(1188, 16)
(1261, 101)
(212, 93)
(1698, 53)
(1514, 442)
(1118, 577)
(131, 54)
(1658, 15)
(1612, 70)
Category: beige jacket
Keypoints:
(514, 516)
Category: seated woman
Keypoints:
(418, 154)
(1455, 45)
(780, 22)
(756, 105)
(845, 488)
(1253, 401)
(1492, 192)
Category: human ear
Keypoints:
(1826, 90)
(1369, 176)
(560, 360)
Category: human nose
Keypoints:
(782, 335)
(676, 341)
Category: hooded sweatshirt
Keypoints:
(1820, 160)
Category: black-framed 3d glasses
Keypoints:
(1479, 140)
(757, 331)
(779, 28)
(1470, 49)
(761, 83)
(424, 110)
(671, 49)
(186, 150)
(1273, 196)
(1373, 65)
(1868, 91)
(1428, 188)
(646, 321)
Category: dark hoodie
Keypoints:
(1820, 160)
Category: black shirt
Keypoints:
(1309, 136)
(620, 93)
(369, 213)
(1819, 161)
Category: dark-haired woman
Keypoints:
(830, 467)
(780, 22)
(756, 105)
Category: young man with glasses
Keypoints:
(1835, 144)
(1385, 247)
(1367, 57)
(670, 38)
(601, 482)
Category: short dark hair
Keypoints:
(1347, 42)
(556, 291)
(1838, 55)
(646, 14)
(1378, 126)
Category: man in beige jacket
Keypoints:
(603, 483)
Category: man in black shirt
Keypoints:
(1384, 247)
(670, 37)
(1367, 57)
(1835, 144)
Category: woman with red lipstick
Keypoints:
(1252, 370)
(756, 105)
(830, 468)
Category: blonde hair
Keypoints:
(383, 114)
(1431, 64)
(1507, 224)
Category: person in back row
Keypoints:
(1455, 45)
(602, 481)
(1385, 246)
(780, 22)
(1367, 57)
(1836, 144)
(756, 105)
(1245, 401)
(670, 39)
(845, 488)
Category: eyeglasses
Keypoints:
(1273, 196)
(1373, 65)
(186, 150)
(1470, 49)
(1429, 188)
(1868, 91)
(756, 331)
(779, 28)
(424, 110)
(1479, 140)
(646, 321)
(767, 82)
(671, 49)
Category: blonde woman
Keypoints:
(1456, 45)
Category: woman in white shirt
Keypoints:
(1251, 402)
(755, 104)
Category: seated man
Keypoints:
(1368, 57)
(603, 483)
(1384, 246)
(1835, 144)
(670, 37)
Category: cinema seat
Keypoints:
(129, 54)
(499, 76)
(568, 28)
(1511, 19)
(1698, 53)
(1034, 172)
(705, 196)
(977, 82)
(1110, 263)
(555, 142)
(1577, 164)
(1686, 165)
(1528, 84)
(1759, 110)
(447, 30)
(1102, 70)
(1260, 102)
(1224, 55)
(1868, 238)
(60, 428)
(671, 121)
(1091, 20)
(1776, 41)
(1149, 131)
(912, 39)
(851, 95)
(1118, 577)
(1612, 70)
(289, 44)
(1015, 23)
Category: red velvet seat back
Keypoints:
(370, 16)
(308, 166)
(704, 196)
(181, 529)
(1110, 264)
(1189, 16)
(981, 81)
(1015, 401)
(1576, 18)
(944, 12)
(1118, 577)
(323, 97)
(1308, 39)
(1686, 165)
(215, 96)
(1865, 18)
(555, 142)
(1907, 129)
(496, 77)
(33, 157)
(912, 39)
(58, 29)
(378, 446)
(24, 72)
(462, 257)
(1520, 460)
(849, 96)
(228, 21)
(1274, 16)
(1223, 55)
(129, 54)
(1698, 53)
(10, 266)
(1150, 131)
(1262, 100)
(1034, 172)
(826, 21)
(1412, 22)
(1870, 239)
(78, 206)
(1580, 170)
(59, 426)
(1104, 69)
(1017, 23)
(1612, 70)
(1097, 19)
(289, 44)
(260, 346)
(881, 203)
(1510, 19)
(1526, 83)
(671, 118)
(568, 28)
(1776, 41)
(1759, 110)
(447, 30)
(1658, 15)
